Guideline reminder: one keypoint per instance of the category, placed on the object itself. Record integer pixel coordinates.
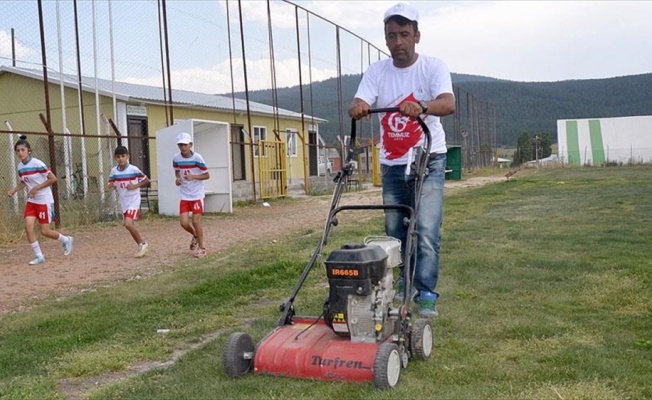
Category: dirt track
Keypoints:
(104, 256)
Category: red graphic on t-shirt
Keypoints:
(400, 133)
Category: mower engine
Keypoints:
(360, 278)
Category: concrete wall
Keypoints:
(596, 141)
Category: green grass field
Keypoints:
(545, 294)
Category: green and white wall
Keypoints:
(595, 141)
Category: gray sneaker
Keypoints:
(142, 250)
(37, 260)
(67, 246)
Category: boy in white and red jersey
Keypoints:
(127, 179)
(190, 170)
(37, 178)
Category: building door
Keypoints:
(238, 153)
(138, 143)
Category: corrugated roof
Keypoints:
(151, 94)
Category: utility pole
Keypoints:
(13, 48)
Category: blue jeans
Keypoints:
(398, 188)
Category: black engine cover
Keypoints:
(353, 269)
(357, 262)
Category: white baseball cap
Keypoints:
(404, 10)
(184, 138)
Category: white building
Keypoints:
(594, 141)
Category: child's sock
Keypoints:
(62, 238)
(36, 248)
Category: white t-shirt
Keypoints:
(129, 199)
(32, 174)
(387, 86)
(193, 165)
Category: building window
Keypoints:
(291, 137)
(260, 133)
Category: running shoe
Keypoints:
(37, 260)
(193, 244)
(67, 246)
(142, 250)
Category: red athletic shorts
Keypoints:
(44, 213)
(191, 206)
(134, 214)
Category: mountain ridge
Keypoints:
(520, 106)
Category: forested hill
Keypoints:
(536, 106)
(520, 106)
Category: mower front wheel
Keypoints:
(421, 339)
(238, 355)
(387, 366)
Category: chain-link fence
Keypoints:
(85, 53)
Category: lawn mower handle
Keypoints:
(351, 151)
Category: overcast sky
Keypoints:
(518, 40)
(514, 40)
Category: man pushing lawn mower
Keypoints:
(417, 85)
(362, 333)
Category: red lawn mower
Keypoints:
(361, 335)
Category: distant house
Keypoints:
(552, 159)
(140, 111)
(502, 162)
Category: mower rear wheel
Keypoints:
(387, 366)
(421, 339)
(238, 355)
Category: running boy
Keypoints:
(127, 179)
(37, 178)
(190, 170)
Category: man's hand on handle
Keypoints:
(410, 109)
(358, 109)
